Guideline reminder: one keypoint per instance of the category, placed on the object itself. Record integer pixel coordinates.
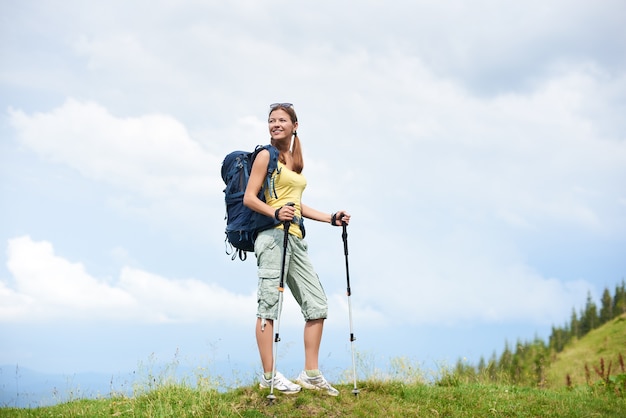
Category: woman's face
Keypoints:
(280, 125)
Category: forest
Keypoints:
(526, 363)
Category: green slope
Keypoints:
(605, 344)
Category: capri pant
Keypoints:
(300, 276)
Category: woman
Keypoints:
(300, 276)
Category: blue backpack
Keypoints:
(242, 223)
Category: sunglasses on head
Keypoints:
(275, 105)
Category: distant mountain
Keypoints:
(22, 387)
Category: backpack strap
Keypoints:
(234, 252)
(271, 166)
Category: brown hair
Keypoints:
(296, 149)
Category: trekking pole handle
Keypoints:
(344, 236)
(287, 224)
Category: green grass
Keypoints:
(391, 399)
(402, 391)
(604, 344)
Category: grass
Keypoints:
(376, 398)
(587, 379)
(580, 359)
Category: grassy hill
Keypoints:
(376, 399)
(589, 394)
(601, 345)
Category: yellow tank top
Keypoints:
(289, 188)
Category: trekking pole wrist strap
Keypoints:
(333, 219)
(276, 213)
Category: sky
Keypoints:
(479, 147)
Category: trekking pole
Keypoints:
(344, 236)
(281, 289)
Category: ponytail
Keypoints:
(296, 154)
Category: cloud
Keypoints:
(147, 167)
(538, 157)
(510, 166)
(46, 287)
(185, 300)
(151, 155)
(463, 276)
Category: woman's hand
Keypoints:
(339, 218)
(285, 213)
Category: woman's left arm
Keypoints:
(316, 215)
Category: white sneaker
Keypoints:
(281, 384)
(316, 383)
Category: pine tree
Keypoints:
(589, 316)
(518, 362)
(575, 325)
(541, 359)
(606, 311)
(504, 365)
(482, 365)
(559, 338)
(619, 300)
(492, 368)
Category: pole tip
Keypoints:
(355, 392)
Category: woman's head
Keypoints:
(287, 107)
(283, 125)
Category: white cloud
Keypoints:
(464, 276)
(123, 51)
(151, 155)
(53, 286)
(185, 299)
(47, 287)
(147, 167)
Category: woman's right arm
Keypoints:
(255, 182)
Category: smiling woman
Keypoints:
(287, 263)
